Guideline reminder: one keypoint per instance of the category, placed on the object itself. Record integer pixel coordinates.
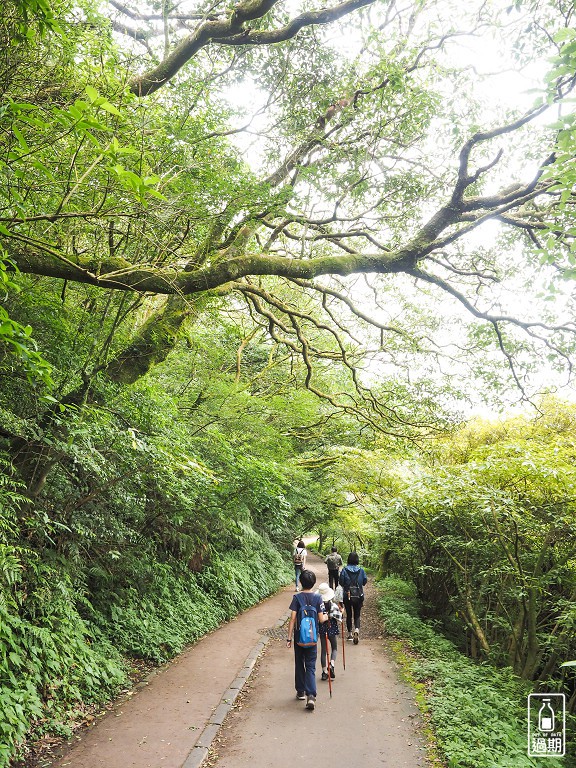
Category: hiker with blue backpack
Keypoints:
(352, 580)
(307, 613)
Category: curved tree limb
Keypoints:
(231, 31)
(119, 274)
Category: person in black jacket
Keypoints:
(352, 580)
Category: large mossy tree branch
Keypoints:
(231, 30)
(120, 274)
(221, 265)
(173, 281)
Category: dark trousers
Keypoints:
(352, 612)
(333, 578)
(305, 669)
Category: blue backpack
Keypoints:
(307, 625)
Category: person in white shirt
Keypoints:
(299, 558)
(330, 629)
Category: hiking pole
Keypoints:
(329, 665)
(343, 646)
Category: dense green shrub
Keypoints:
(49, 665)
(477, 712)
(124, 558)
(59, 650)
(488, 538)
(179, 606)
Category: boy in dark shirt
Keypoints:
(305, 657)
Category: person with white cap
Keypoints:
(330, 628)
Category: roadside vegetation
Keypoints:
(484, 529)
(474, 540)
(476, 713)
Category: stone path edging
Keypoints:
(200, 750)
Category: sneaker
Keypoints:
(356, 636)
(332, 674)
(300, 695)
(349, 636)
(324, 675)
(311, 702)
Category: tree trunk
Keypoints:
(150, 346)
(154, 341)
(474, 623)
(533, 646)
(514, 658)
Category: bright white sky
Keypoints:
(498, 81)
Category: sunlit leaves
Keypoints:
(17, 338)
(500, 519)
(28, 14)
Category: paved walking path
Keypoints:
(171, 722)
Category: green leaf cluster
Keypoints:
(477, 713)
(488, 538)
(17, 345)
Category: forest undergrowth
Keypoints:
(476, 712)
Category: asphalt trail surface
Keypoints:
(370, 721)
(229, 701)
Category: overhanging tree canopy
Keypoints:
(368, 162)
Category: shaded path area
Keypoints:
(161, 724)
(371, 719)
(188, 706)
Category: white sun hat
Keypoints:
(325, 592)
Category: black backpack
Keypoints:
(355, 588)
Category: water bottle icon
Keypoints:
(546, 716)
